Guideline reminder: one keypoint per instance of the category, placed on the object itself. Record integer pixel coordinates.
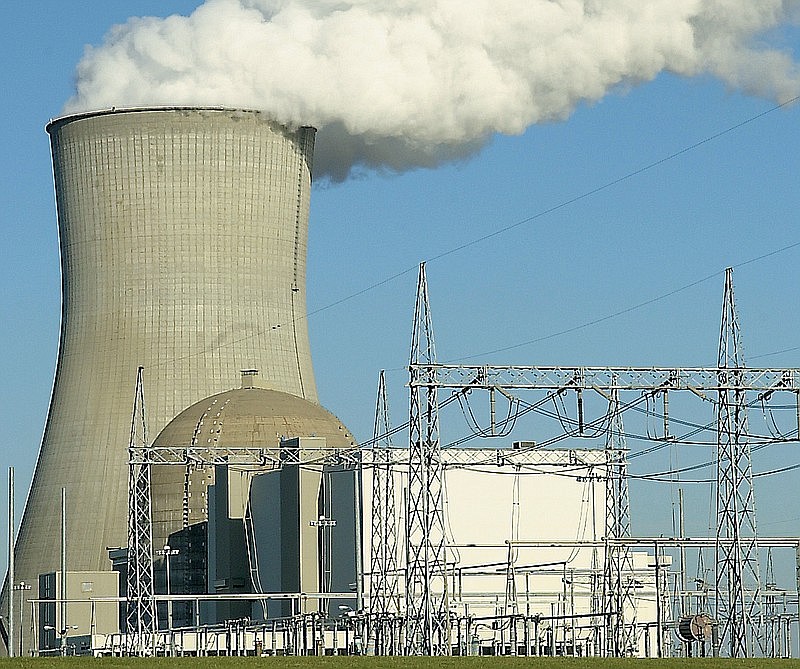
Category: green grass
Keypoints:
(386, 663)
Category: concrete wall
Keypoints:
(303, 530)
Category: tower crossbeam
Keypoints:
(695, 379)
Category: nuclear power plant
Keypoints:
(192, 497)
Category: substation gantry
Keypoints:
(424, 623)
(738, 592)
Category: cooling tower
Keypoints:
(183, 243)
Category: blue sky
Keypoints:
(726, 202)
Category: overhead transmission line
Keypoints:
(577, 198)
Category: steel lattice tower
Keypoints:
(428, 625)
(384, 598)
(738, 600)
(618, 581)
(140, 618)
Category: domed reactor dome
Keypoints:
(243, 528)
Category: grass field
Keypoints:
(387, 663)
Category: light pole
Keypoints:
(167, 551)
(10, 574)
(325, 525)
(21, 587)
(62, 633)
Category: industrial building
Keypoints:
(211, 505)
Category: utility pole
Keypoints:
(167, 552)
(63, 585)
(11, 576)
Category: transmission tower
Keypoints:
(140, 618)
(738, 600)
(618, 582)
(384, 597)
(428, 625)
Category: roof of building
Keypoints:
(253, 417)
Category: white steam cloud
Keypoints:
(398, 84)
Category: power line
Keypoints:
(577, 198)
(630, 309)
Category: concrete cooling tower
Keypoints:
(183, 249)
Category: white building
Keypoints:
(525, 531)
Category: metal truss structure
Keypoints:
(738, 602)
(140, 616)
(262, 459)
(618, 583)
(694, 379)
(427, 611)
(426, 621)
(384, 603)
(738, 587)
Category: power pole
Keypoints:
(738, 592)
(428, 624)
(140, 618)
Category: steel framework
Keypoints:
(618, 581)
(427, 614)
(141, 621)
(384, 602)
(384, 592)
(140, 618)
(737, 589)
(738, 601)
(694, 379)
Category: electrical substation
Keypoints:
(209, 505)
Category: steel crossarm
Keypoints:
(244, 456)
(528, 454)
(605, 378)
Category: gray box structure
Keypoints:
(90, 610)
(183, 249)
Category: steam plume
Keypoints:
(397, 84)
